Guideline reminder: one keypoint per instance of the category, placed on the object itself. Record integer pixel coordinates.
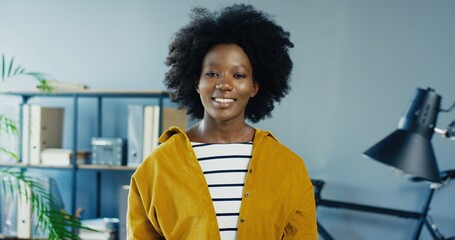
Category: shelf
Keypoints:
(21, 165)
(13, 165)
(105, 167)
(79, 166)
(8, 237)
(101, 188)
(93, 93)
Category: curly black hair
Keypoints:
(265, 43)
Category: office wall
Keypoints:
(357, 64)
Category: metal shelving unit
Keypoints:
(99, 95)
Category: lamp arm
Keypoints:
(451, 130)
(448, 109)
(447, 133)
(448, 175)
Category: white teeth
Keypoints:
(224, 100)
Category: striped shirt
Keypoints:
(225, 167)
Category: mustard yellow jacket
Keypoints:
(169, 197)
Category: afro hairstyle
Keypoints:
(265, 43)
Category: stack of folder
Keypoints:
(42, 128)
(144, 129)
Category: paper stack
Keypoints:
(107, 229)
(62, 157)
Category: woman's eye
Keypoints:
(238, 75)
(211, 74)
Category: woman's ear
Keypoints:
(196, 85)
(254, 89)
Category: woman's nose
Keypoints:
(224, 83)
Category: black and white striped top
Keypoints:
(225, 167)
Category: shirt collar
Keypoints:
(258, 134)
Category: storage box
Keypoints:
(108, 151)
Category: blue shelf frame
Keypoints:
(75, 96)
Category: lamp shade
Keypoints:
(409, 148)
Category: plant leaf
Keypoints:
(11, 154)
(3, 66)
(52, 220)
(41, 77)
(44, 86)
(10, 67)
(18, 68)
(8, 126)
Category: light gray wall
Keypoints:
(357, 64)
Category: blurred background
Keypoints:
(357, 64)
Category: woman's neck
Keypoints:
(216, 132)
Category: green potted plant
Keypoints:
(51, 219)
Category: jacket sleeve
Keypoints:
(302, 222)
(138, 224)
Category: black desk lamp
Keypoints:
(409, 148)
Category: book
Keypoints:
(8, 208)
(27, 218)
(155, 128)
(124, 191)
(18, 220)
(25, 142)
(24, 214)
(135, 134)
(171, 117)
(151, 126)
(46, 127)
(51, 187)
(62, 157)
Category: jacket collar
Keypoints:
(258, 134)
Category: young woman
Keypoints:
(222, 178)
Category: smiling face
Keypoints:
(226, 83)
